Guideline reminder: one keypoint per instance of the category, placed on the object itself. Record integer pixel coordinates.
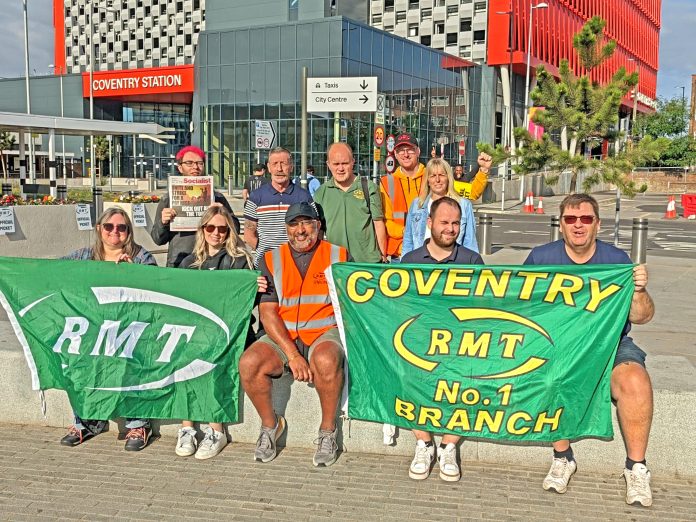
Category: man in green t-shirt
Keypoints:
(352, 208)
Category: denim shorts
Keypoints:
(628, 351)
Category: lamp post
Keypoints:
(26, 80)
(540, 5)
(509, 138)
(61, 72)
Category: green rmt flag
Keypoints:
(130, 340)
(501, 352)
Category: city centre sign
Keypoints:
(342, 94)
(157, 80)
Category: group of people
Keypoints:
(413, 216)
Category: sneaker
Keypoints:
(559, 475)
(447, 461)
(186, 442)
(137, 438)
(266, 449)
(422, 462)
(327, 448)
(211, 445)
(638, 486)
(76, 436)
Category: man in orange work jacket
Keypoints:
(404, 185)
(301, 335)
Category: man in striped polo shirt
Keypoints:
(264, 211)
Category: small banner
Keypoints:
(506, 352)
(83, 215)
(127, 340)
(139, 219)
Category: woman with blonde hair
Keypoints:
(113, 242)
(217, 247)
(439, 183)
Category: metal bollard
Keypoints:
(639, 240)
(151, 181)
(555, 228)
(62, 192)
(131, 194)
(7, 189)
(97, 202)
(485, 224)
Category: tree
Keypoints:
(671, 119)
(7, 141)
(582, 114)
(101, 152)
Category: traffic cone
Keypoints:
(529, 204)
(671, 209)
(540, 208)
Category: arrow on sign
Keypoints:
(363, 99)
(363, 85)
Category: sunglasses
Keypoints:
(109, 227)
(222, 229)
(585, 220)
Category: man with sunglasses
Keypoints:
(630, 383)
(301, 335)
(190, 162)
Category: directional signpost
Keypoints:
(265, 135)
(354, 94)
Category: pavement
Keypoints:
(41, 480)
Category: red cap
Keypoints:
(406, 139)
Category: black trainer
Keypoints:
(137, 438)
(76, 436)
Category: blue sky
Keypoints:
(677, 42)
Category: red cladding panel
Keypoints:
(58, 37)
(633, 24)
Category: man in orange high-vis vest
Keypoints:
(301, 335)
(400, 189)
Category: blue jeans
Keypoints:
(97, 426)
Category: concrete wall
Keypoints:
(51, 231)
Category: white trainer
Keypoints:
(212, 444)
(638, 486)
(422, 461)
(447, 460)
(559, 475)
(186, 442)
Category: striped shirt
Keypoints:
(267, 207)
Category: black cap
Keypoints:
(406, 139)
(259, 166)
(303, 209)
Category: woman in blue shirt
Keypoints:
(440, 182)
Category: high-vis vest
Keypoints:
(400, 202)
(304, 304)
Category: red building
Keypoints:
(633, 24)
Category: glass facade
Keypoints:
(244, 75)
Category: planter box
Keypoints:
(51, 231)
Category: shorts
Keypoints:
(628, 351)
(305, 351)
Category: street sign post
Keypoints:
(462, 149)
(390, 164)
(265, 135)
(381, 109)
(342, 94)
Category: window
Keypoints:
(439, 101)
(465, 2)
(439, 27)
(425, 40)
(465, 51)
(465, 24)
(460, 121)
(413, 29)
(413, 4)
(452, 10)
(460, 99)
(451, 39)
(479, 6)
(426, 14)
(376, 19)
(400, 16)
(439, 3)
(389, 28)
(388, 6)
(479, 36)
